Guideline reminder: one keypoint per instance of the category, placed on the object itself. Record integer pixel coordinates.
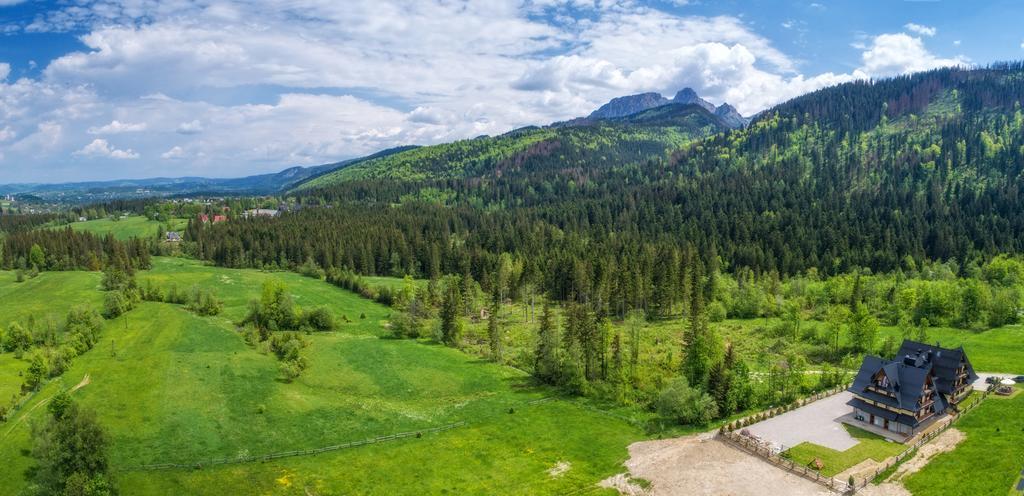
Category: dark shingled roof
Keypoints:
(945, 361)
(905, 382)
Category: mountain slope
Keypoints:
(880, 175)
(650, 134)
(626, 105)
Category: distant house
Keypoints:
(204, 218)
(262, 212)
(219, 218)
(172, 237)
(909, 393)
(82, 219)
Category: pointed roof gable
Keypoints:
(946, 361)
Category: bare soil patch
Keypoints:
(703, 465)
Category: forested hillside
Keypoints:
(924, 167)
(622, 140)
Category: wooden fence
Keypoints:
(286, 454)
(774, 411)
(920, 442)
(761, 450)
(774, 456)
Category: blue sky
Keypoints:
(141, 88)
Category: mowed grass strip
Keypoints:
(988, 461)
(870, 446)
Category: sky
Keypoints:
(93, 90)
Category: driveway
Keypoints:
(817, 423)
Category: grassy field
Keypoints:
(172, 387)
(131, 227)
(989, 461)
(48, 296)
(869, 446)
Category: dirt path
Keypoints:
(703, 465)
(892, 487)
(941, 444)
(81, 384)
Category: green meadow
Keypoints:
(136, 226)
(169, 386)
(173, 387)
(988, 461)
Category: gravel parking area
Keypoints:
(817, 423)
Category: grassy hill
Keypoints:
(169, 386)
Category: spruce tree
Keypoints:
(546, 355)
(494, 327)
(451, 322)
(697, 356)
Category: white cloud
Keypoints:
(174, 153)
(191, 127)
(5, 69)
(8, 3)
(100, 148)
(118, 127)
(7, 134)
(463, 68)
(899, 53)
(956, 43)
(920, 29)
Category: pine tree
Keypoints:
(494, 328)
(697, 357)
(855, 294)
(451, 322)
(546, 356)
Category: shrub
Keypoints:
(204, 303)
(320, 319)
(686, 405)
(716, 311)
(114, 304)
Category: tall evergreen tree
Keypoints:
(546, 359)
(494, 327)
(451, 320)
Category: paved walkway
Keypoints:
(817, 423)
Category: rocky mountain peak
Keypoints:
(628, 105)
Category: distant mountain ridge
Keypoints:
(257, 184)
(632, 104)
(686, 116)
